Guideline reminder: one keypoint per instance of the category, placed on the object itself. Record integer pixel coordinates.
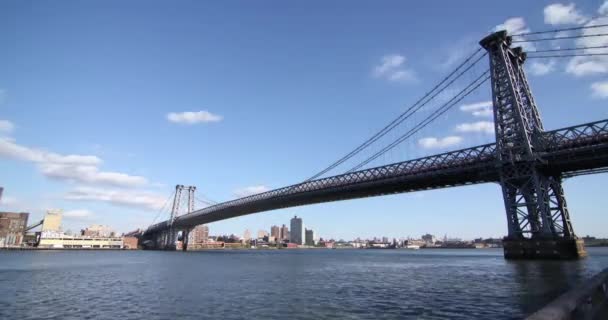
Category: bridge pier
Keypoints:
(185, 237)
(551, 248)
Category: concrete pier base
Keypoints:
(555, 249)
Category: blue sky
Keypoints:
(94, 95)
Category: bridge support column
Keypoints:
(170, 239)
(537, 215)
(185, 238)
(551, 248)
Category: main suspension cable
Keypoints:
(207, 202)
(447, 106)
(564, 37)
(406, 114)
(560, 30)
(163, 207)
(569, 49)
(568, 55)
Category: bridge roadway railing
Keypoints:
(579, 136)
(577, 150)
(478, 157)
(465, 166)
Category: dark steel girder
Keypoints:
(566, 151)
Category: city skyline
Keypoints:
(58, 151)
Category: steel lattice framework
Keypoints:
(169, 236)
(568, 151)
(526, 161)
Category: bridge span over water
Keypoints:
(527, 161)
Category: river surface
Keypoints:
(282, 284)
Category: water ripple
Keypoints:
(305, 284)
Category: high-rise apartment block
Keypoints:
(284, 233)
(310, 237)
(275, 232)
(297, 231)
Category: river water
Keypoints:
(282, 284)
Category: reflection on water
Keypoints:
(295, 284)
(542, 281)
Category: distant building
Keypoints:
(99, 237)
(133, 233)
(310, 237)
(384, 239)
(200, 234)
(98, 230)
(297, 231)
(284, 233)
(129, 243)
(52, 221)
(12, 228)
(429, 238)
(247, 235)
(275, 232)
(60, 240)
(262, 234)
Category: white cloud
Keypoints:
(557, 14)
(249, 191)
(9, 149)
(484, 113)
(516, 25)
(600, 89)
(479, 109)
(513, 26)
(584, 66)
(590, 65)
(73, 167)
(540, 69)
(6, 126)
(78, 214)
(119, 197)
(476, 106)
(391, 67)
(603, 8)
(436, 143)
(191, 117)
(479, 126)
(91, 175)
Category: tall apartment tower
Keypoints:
(275, 232)
(297, 231)
(284, 233)
(310, 237)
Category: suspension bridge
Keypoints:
(527, 161)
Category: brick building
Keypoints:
(12, 228)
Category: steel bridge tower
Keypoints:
(171, 236)
(537, 215)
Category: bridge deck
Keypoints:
(568, 150)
